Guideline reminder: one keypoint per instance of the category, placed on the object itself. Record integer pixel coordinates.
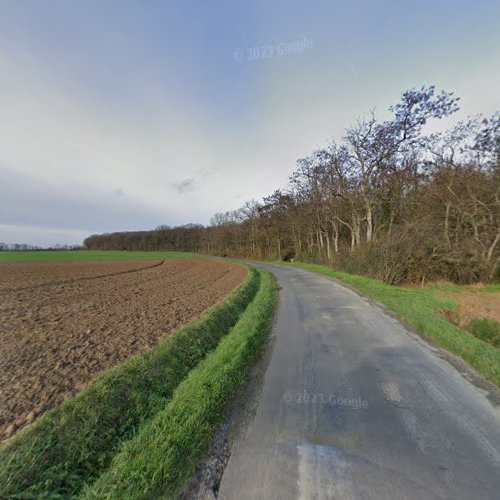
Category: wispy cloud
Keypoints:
(184, 186)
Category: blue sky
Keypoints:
(121, 115)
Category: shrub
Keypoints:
(486, 329)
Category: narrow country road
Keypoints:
(353, 406)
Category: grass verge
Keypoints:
(163, 455)
(41, 255)
(74, 443)
(422, 309)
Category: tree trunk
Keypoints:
(369, 222)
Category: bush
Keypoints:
(486, 329)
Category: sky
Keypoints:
(127, 114)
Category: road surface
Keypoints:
(353, 406)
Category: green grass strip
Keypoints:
(422, 309)
(161, 458)
(74, 443)
(42, 255)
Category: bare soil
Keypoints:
(21, 275)
(474, 304)
(62, 323)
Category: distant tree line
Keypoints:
(187, 238)
(21, 247)
(389, 201)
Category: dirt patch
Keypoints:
(473, 305)
(63, 323)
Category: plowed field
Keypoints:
(61, 323)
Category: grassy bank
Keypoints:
(75, 442)
(422, 309)
(41, 255)
(163, 455)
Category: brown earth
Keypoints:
(20, 275)
(473, 305)
(63, 323)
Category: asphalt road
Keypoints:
(353, 406)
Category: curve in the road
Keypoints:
(353, 406)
